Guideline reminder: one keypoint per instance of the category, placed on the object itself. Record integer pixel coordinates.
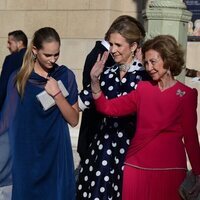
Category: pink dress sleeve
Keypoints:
(120, 106)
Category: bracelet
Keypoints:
(56, 94)
(93, 92)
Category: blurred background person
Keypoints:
(17, 44)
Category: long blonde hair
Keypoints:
(46, 34)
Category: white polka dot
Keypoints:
(138, 77)
(85, 194)
(122, 151)
(109, 152)
(89, 195)
(102, 189)
(104, 162)
(116, 160)
(119, 95)
(118, 194)
(124, 93)
(132, 84)
(90, 168)
(81, 170)
(86, 161)
(120, 134)
(86, 178)
(123, 168)
(87, 103)
(98, 142)
(110, 75)
(100, 146)
(96, 199)
(116, 188)
(80, 187)
(128, 141)
(107, 71)
(92, 152)
(114, 144)
(118, 177)
(85, 92)
(135, 86)
(98, 173)
(103, 83)
(92, 183)
(116, 125)
(117, 79)
(124, 80)
(106, 178)
(112, 172)
(110, 88)
(106, 136)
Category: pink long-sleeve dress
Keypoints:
(156, 163)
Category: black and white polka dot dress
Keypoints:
(101, 172)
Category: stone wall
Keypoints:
(79, 23)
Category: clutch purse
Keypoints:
(186, 186)
(46, 100)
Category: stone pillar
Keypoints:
(168, 17)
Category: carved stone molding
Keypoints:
(183, 15)
(167, 4)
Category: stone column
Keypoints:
(168, 17)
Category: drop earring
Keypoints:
(168, 72)
(34, 57)
(132, 53)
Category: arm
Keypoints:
(5, 73)
(8, 112)
(189, 123)
(69, 112)
(121, 106)
(118, 107)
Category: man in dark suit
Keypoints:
(17, 44)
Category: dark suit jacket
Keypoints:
(11, 63)
(90, 118)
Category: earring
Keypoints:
(34, 57)
(168, 72)
(132, 52)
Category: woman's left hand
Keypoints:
(52, 86)
(97, 69)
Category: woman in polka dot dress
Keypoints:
(101, 172)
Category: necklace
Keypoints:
(125, 67)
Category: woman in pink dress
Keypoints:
(155, 164)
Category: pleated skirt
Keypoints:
(139, 184)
